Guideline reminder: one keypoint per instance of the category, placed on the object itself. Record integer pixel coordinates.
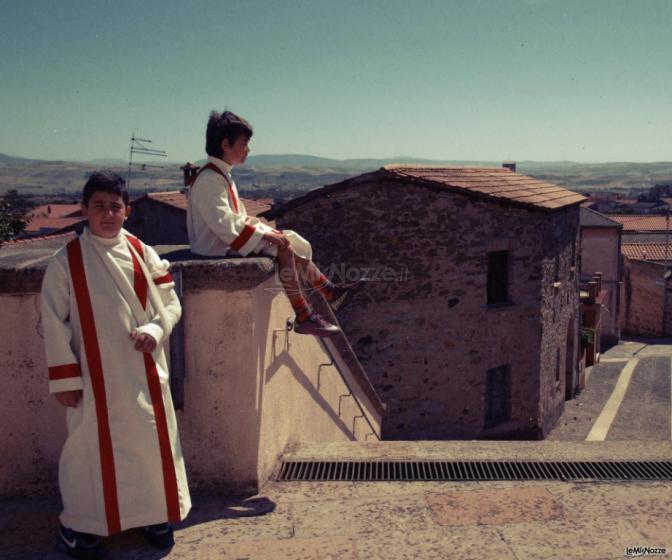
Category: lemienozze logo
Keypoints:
(634, 551)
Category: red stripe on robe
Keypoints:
(92, 351)
(65, 371)
(154, 385)
(164, 279)
(232, 194)
(244, 237)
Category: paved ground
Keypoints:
(645, 412)
(429, 520)
(419, 520)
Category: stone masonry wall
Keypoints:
(643, 299)
(422, 327)
(560, 314)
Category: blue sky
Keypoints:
(582, 80)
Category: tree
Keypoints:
(19, 204)
(11, 223)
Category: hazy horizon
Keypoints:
(399, 158)
(463, 80)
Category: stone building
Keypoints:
(601, 252)
(469, 324)
(160, 218)
(647, 290)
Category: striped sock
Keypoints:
(324, 285)
(301, 308)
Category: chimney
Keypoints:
(190, 171)
(510, 165)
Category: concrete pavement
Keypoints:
(410, 520)
(395, 520)
(644, 410)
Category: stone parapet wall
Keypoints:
(251, 388)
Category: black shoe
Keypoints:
(160, 535)
(343, 293)
(79, 545)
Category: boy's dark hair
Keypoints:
(224, 125)
(105, 181)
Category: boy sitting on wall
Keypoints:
(218, 225)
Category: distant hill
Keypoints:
(107, 161)
(286, 175)
(10, 160)
(299, 160)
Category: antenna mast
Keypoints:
(138, 147)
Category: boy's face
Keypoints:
(235, 154)
(106, 213)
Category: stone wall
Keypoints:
(422, 327)
(560, 339)
(252, 389)
(646, 310)
(157, 223)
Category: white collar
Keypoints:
(226, 167)
(108, 241)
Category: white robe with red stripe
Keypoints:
(121, 465)
(217, 220)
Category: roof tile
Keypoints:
(178, 199)
(497, 183)
(647, 251)
(642, 223)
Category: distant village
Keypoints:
(506, 288)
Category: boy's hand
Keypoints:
(279, 239)
(69, 398)
(143, 342)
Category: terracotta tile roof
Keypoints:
(171, 198)
(178, 199)
(55, 211)
(491, 183)
(52, 217)
(498, 184)
(641, 223)
(646, 251)
(50, 224)
(256, 207)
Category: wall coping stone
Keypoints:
(22, 267)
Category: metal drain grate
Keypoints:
(474, 470)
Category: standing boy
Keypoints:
(108, 305)
(218, 225)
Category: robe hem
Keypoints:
(101, 530)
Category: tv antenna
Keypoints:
(138, 147)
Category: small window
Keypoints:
(497, 396)
(498, 277)
(557, 365)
